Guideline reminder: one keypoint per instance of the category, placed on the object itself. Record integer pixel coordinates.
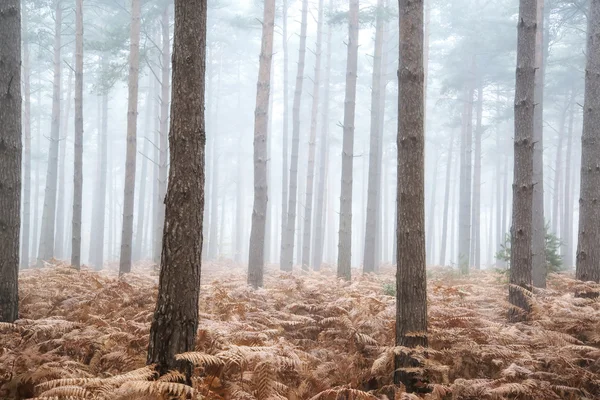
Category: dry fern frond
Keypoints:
(158, 388)
(200, 359)
(343, 393)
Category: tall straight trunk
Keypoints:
(256, 261)
(46, 249)
(285, 145)
(213, 248)
(78, 149)
(300, 217)
(588, 251)
(239, 209)
(566, 234)
(499, 174)
(556, 193)
(287, 248)
(10, 157)
(132, 110)
(538, 239)
(521, 230)
(411, 282)
(156, 236)
(98, 216)
(312, 144)
(476, 210)
(490, 242)
(431, 214)
(385, 217)
(446, 202)
(36, 207)
(345, 232)
(505, 202)
(163, 132)
(454, 217)
(59, 243)
(376, 132)
(320, 208)
(464, 215)
(175, 321)
(269, 217)
(26, 223)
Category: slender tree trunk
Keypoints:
(78, 149)
(175, 321)
(505, 202)
(312, 144)
(431, 214)
(446, 202)
(46, 250)
(538, 239)
(98, 216)
(10, 157)
(256, 262)
(499, 174)
(566, 234)
(521, 231)
(476, 211)
(287, 249)
(36, 207)
(411, 282)
(26, 223)
(556, 193)
(345, 232)
(132, 110)
(285, 145)
(588, 251)
(374, 184)
(213, 248)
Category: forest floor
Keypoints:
(85, 335)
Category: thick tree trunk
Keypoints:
(175, 321)
(374, 185)
(287, 249)
(78, 149)
(256, 262)
(46, 250)
(26, 223)
(285, 145)
(132, 111)
(521, 231)
(476, 210)
(446, 202)
(411, 282)
(588, 251)
(10, 157)
(566, 234)
(345, 232)
(312, 144)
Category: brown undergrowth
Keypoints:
(84, 336)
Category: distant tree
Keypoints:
(256, 262)
(411, 280)
(175, 322)
(26, 222)
(521, 232)
(588, 245)
(10, 157)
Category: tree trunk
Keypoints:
(256, 261)
(26, 223)
(411, 282)
(163, 132)
(521, 231)
(213, 248)
(46, 250)
(10, 157)
(446, 202)
(476, 210)
(345, 232)
(175, 321)
(566, 234)
(312, 144)
(588, 251)
(376, 131)
(538, 239)
(500, 149)
(287, 249)
(35, 236)
(431, 214)
(132, 110)
(285, 145)
(556, 193)
(78, 149)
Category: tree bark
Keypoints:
(566, 234)
(446, 202)
(10, 157)
(588, 251)
(78, 149)
(175, 321)
(46, 250)
(411, 282)
(26, 223)
(521, 232)
(132, 111)
(429, 239)
(476, 210)
(256, 261)
(287, 249)
(345, 232)
(285, 145)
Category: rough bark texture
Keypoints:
(588, 251)
(10, 157)
(78, 149)
(345, 232)
(375, 146)
(132, 110)
(287, 249)
(538, 239)
(521, 231)
(46, 249)
(26, 223)
(175, 320)
(312, 144)
(411, 282)
(256, 261)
